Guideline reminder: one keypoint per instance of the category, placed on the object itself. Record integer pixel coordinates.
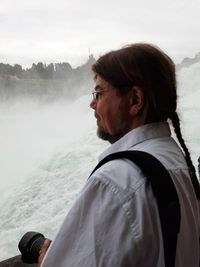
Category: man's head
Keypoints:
(141, 88)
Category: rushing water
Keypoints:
(47, 152)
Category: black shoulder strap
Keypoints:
(164, 192)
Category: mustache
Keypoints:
(96, 115)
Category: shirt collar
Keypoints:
(138, 135)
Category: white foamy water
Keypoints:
(47, 152)
(189, 107)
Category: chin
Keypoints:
(106, 136)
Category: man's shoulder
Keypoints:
(121, 174)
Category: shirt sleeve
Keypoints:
(96, 232)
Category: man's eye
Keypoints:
(98, 94)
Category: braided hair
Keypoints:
(176, 124)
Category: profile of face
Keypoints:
(115, 114)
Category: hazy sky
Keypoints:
(63, 30)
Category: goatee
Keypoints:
(106, 136)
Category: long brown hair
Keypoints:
(153, 71)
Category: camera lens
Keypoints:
(30, 245)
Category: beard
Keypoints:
(106, 136)
(122, 127)
(119, 125)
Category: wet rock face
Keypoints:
(15, 262)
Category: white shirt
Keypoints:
(115, 220)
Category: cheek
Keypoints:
(104, 116)
(109, 119)
(108, 112)
(101, 109)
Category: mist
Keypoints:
(31, 132)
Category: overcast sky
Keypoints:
(65, 30)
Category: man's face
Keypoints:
(111, 111)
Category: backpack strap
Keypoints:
(165, 193)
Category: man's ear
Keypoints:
(136, 100)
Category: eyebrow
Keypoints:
(98, 87)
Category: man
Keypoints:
(115, 220)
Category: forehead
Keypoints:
(102, 84)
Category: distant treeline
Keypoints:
(45, 81)
(42, 71)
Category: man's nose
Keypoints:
(93, 104)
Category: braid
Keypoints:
(176, 124)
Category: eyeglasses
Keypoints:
(97, 94)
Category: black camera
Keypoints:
(30, 245)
